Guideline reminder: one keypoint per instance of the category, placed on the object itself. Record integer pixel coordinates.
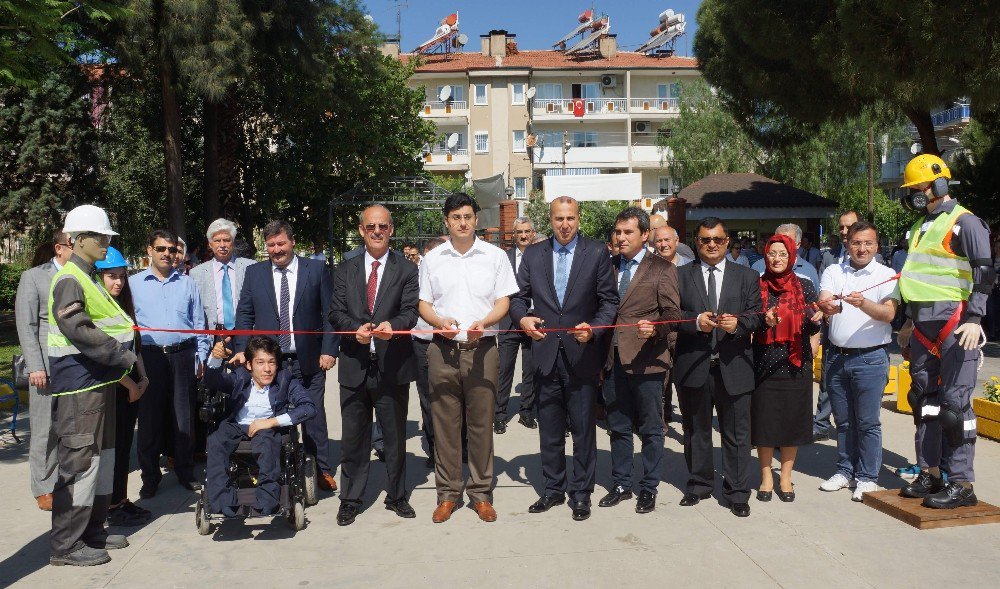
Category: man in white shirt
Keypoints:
(860, 297)
(465, 287)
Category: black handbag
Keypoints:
(20, 372)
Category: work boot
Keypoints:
(81, 557)
(110, 542)
(923, 486)
(953, 495)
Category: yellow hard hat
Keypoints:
(924, 168)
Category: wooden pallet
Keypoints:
(912, 512)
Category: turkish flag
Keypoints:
(578, 107)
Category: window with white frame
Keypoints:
(520, 188)
(548, 91)
(666, 185)
(482, 142)
(584, 139)
(518, 143)
(481, 95)
(459, 146)
(457, 93)
(668, 90)
(517, 94)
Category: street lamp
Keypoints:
(509, 191)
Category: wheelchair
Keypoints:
(296, 481)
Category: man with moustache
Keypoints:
(568, 283)
(374, 295)
(292, 293)
(714, 366)
(511, 342)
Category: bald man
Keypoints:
(664, 240)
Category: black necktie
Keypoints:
(713, 304)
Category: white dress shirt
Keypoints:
(852, 327)
(378, 279)
(293, 271)
(518, 254)
(217, 277)
(720, 269)
(466, 286)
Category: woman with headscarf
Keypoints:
(781, 406)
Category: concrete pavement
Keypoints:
(822, 539)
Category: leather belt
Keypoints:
(464, 346)
(713, 363)
(854, 351)
(174, 348)
(289, 356)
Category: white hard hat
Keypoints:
(87, 219)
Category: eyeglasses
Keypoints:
(862, 244)
(380, 226)
(163, 248)
(715, 240)
(99, 237)
(778, 255)
(67, 244)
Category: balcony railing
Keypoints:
(555, 106)
(958, 113)
(654, 105)
(437, 107)
(446, 156)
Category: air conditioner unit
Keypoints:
(609, 81)
(642, 127)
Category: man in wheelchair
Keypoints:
(258, 401)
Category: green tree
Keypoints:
(978, 166)
(48, 151)
(597, 218)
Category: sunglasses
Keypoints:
(715, 240)
(373, 226)
(163, 248)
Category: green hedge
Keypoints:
(10, 274)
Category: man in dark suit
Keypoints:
(714, 365)
(373, 295)
(509, 343)
(569, 282)
(639, 360)
(292, 293)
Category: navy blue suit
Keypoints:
(286, 395)
(566, 371)
(258, 309)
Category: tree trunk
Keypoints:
(171, 131)
(925, 129)
(211, 183)
(231, 152)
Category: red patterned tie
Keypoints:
(372, 286)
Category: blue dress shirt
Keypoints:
(556, 246)
(173, 303)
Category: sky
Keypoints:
(537, 24)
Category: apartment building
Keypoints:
(950, 121)
(505, 111)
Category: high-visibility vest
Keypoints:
(70, 371)
(933, 272)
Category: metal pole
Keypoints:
(871, 174)
(563, 147)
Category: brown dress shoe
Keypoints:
(327, 482)
(486, 511)
(443, 512)
(44, 502)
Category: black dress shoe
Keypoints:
(690, 499)
(528, 421)
(499, 426)
(581, 511)
(786, 497)
(740, 509)
(402, 508)
(616, 496)
(194, 486)
(645, 503)
(148, 490)
(347, 513)
(953, 495)
(764, 496)
(922, 486)
(546, 502)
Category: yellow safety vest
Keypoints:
(933, 272)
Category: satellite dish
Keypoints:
(452, 140)
(915, 148)
(445, 93)
(530, 93)
(463, 39)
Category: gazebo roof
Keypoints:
(747, 191)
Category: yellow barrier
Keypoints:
(903, 389)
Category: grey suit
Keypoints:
(31, 313)
(204, 279)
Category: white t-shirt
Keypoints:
(852, 327)
(466, 286)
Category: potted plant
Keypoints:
(987, 409)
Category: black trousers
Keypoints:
(424, 392)
(389, 402)
(734, 425)
(169, 402)
(126, 415)
(508, 345)
(266, 448)
(316, 439)
(562, 397)
(84, 424)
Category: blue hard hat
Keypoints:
(114, 259)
